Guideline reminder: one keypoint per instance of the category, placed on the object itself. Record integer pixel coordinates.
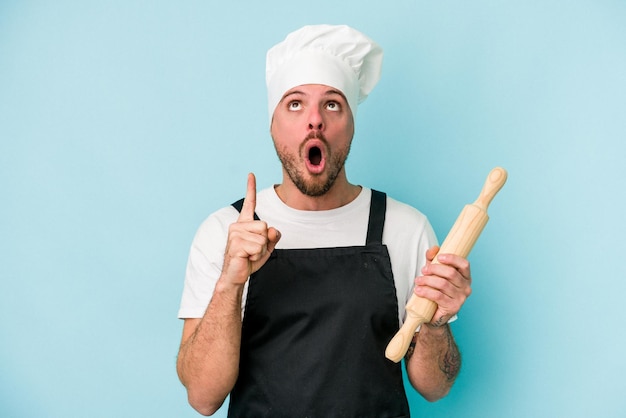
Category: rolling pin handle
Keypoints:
(493, 184)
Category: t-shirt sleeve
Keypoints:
(204, 265)
(426, 240)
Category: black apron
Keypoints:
(315, 329)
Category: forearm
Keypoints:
(433, 361)
(208, 360)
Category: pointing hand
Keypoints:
(250, 243)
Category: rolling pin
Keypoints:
(459, 241)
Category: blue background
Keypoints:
(124, 124)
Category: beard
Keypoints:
(311, 184)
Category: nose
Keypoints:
(316, 121)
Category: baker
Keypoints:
(292, 294)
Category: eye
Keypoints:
(333, 106)
(294, 105)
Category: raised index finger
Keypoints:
(249, 202)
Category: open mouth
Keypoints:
(315, 156)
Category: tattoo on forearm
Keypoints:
(441, 321)
(450, 363)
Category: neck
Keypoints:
(340, 194)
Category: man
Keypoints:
(295, 323)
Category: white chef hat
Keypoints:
(336, 56)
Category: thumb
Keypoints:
(431, 253)
(273, 236)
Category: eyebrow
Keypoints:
(291, 93)
(334, 91)
(329, 92)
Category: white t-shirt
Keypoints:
(407, 234)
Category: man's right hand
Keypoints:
(208, 359)
(250, 243)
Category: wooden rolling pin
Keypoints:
(459, 241)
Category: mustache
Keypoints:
(316, 135)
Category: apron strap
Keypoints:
(378, 207)
(239, 204)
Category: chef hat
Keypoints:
(336, 56)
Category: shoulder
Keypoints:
(220, 219)
(399, 213)
(217, 223)
(214, 229)
(404, 223)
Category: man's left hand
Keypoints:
(447, 283)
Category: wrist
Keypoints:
(227, 298)
(226, 286)
(227, 290)
(435, 330)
